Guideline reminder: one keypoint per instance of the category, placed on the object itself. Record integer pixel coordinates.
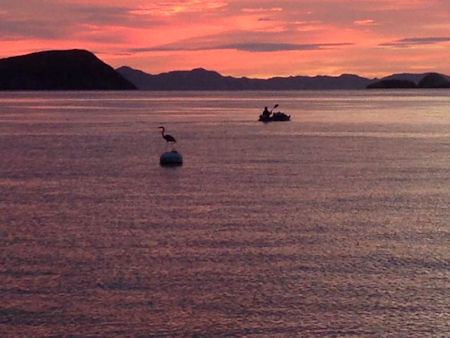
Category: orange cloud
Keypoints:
(364, 22)
(262, 10)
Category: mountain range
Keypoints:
(82, 70)
(202, 79)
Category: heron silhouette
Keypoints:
(169, 138)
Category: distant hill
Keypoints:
(414, 77)
(434, 80)
(406, 80)
(59, 70)
(405, 76)
(201, 79)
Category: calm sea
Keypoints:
(336, 223)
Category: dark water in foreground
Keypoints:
(336, 223)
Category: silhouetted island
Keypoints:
(434, 80)
(60, 70)
(405, 80)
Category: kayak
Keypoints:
(278, 116)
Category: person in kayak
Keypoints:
(266, 113)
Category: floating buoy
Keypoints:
(171, 159)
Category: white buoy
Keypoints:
(171, 159)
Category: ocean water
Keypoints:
(336, 223)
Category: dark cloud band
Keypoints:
(246, 46)
(407, 42)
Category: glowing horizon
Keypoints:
(250, 38)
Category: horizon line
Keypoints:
(223, 74)
(281, 76)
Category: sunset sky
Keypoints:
(239, 37)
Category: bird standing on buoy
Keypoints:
(170, 158)
(169, 138)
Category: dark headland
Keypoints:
(60, 70)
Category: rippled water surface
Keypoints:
(336, 223)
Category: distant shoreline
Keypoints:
(81, 70)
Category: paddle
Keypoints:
(273, 108)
